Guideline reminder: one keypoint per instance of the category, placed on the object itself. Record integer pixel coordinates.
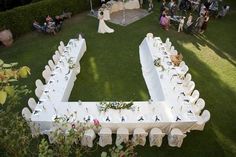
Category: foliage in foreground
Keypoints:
(14, 131)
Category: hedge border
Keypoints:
(19, 20)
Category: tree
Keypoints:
(14, 131)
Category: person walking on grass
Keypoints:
(181, 24)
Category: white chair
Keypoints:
(173, 52)
(139, 136)
(122, 135)
(55, 58)
(155, 137)
(198, 106)
(57, 53)
(32, 104)
(157, 41)
(172, 48)
(168, 44)
(60, 49)
(51, 64)
(26, 114)
(39, 83)
(187, 79)
(46, 74)
(200, 124)
(181, 64)
(175, 137)
(184, 82)
(105, 137)
(149, 35)
(62, 44)
(47, 67)
(88, 137)
(38, 92)
(183, 70)
(195, 95)
(167, 40)
(189, 89)
(193, 98)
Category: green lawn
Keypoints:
(110, 70)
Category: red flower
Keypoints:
(96, 122)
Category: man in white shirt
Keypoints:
(181, 24)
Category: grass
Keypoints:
(110, 70)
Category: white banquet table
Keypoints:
(162, 112)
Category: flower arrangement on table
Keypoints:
(117, 105)
(157, 63)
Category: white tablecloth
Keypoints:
(161, 113)
(62, 78)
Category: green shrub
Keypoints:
(19, 20)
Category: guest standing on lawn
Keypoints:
(199, 22)
(165, 22)
(181, 24)
(204, 25)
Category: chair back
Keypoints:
(184, 69)
(155, 137)
(32, 104)
(149, 35)
(181, 64)
(200, 103)
(55, 58)
(167, 40)
(51, 64)
(206, 115)
(38, 92)
(122, 135)
(191, 86)
(188, 77)
(195, 95)
(26, 113)
(139, 136)
(174, 52)
(39, 83)
(62, 44)
(88, 137)
(57, 53)
(175, 137)
(46, 75)
(105, 137)
(60, 49)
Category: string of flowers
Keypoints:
(104, 106)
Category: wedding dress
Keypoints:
(102, 27)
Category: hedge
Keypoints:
(19, 20)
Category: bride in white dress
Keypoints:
(102, 27)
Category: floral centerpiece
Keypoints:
(117, 105)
